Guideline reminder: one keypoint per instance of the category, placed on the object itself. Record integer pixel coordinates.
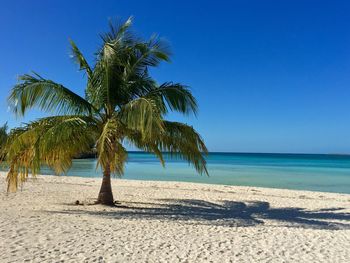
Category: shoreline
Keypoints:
(171, 221)
(2, 174)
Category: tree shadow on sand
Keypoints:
(225, 213)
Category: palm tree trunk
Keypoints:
(105, 197)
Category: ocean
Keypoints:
(326, 173)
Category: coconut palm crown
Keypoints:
(123, 105)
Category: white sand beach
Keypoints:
(171, 222)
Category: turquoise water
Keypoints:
(327, 173)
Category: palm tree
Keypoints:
(123, 104)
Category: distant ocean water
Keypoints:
(327, 173)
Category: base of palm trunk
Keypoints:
(105, 199)
(105, 196)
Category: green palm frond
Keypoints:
(19, 152)
(110, 151)
(53, 141)
(35, 91)
(148, 144)
(119, 31)
(78, 132)
(106, 143)
(182, 141)
(143, 115)
(118, 161)
(137, 86)
(3, 135)
(149, 54)
(80, 59)
(178, 97)
(95, 92)
(177, 139)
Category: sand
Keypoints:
(171, 222)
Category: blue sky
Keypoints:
(269, 76)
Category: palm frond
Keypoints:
(3, 135)
(53, 141)
(119, 31)
(178, 97)
(95, 92)
(110, 151)
(177, 139)
(137, 86)
(149, 54)
(80, 59)
(118, 161)
(182, 141)
(143, 115)
(149, 144)
(35, 91)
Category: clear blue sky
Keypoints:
(270, 76)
